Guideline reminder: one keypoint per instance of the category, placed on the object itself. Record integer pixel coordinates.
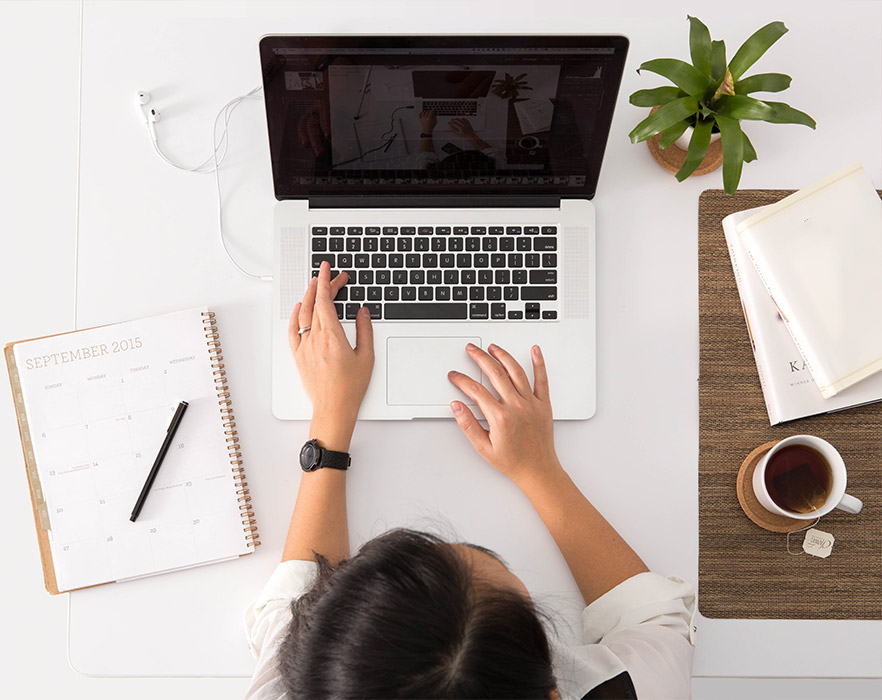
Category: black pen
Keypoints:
(154, 470)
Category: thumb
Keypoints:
(364, 332)
(467, 422)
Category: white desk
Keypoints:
(147, 243)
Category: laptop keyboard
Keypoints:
(479, 273)
(452, 108)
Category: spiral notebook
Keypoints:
(93, 407)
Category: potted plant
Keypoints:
(510, 88)
(710, 96)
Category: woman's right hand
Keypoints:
(520, 441)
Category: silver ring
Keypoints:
(303, 330)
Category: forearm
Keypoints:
(319, 523)
(596, 554)
(427, 145)
(478, 143)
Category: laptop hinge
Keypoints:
(531, 201)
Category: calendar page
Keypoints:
(98, 405)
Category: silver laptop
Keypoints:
(485, 235)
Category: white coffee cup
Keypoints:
(837, 497)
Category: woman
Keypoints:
(412, 616)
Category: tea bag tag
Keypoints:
(818, 543)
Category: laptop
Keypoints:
(475, 236)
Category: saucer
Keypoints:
(752, 508)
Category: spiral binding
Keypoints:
(249, 522)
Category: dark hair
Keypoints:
(405, 618)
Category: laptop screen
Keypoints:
(443, 115)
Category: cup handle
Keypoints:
(850, 504)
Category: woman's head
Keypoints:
(413, 616)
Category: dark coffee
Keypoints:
(798, 478)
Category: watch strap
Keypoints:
(334, 460)
(424, 135)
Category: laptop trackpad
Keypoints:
(416, 370)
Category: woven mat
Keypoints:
(743, 570)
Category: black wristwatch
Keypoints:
(424, 135)
(313, 457)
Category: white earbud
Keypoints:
(152, 117)
(141, 99)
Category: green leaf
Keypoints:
(755, 46)
(663, 117)
(749, 152)
(699, 45)
(763, 82)
(656, 96)
(679, 73)
(698, 144)
(672, 133)
(718, 61)
(743, 107)
(733, 152)
(785, 114)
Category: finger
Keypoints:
(475, 391)
(540, 376)
(308, 304)
(496, 372)
(515, 371)
(293, 327)
(473, 430)
(324, 307)
(338, 283)
(364, 333)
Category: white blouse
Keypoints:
(644, 626)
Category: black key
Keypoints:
(543, 276)
(515, 315)
(405, 245)
(531, 260)
(408, 231)
(455, 244)
(378, 260)
(473, 244)
(421, 244)
(339, 309)
(425, 294)
(442, 293)
(549, 230)
(523, 244)
(519, 277)
(408, 293)
(356, 293)
(362, 260)
(468, 276)
(502, 277)
(354, 230)
(396, 260)
(510, 293)
(387, 244)
(539, 293)
(351, 311)
(412, 260)
(430, 260)
(425, 230)
(319, 258)
(478, 230)
(445, 311)
(513, 230)
(531, 315)
(375, 310)
(439, 245)
(496, 230)
(344, 260)
(489, 245)
(476, 293)
(451, 276)
(549, 315)
(353, 245)
(372, 230)
(460, 230)
(336, 244)
(515, 260)
(485, 276)
(447, 260)
(464, 260)
(399, 276)
(531, 230)
(384, 277)
(481, 260)
(506, 244)
(390, 230)
(319, 245)
(337, 230)
(549, 260)
(460, 293)
(417, 277)
(375, 293)
(433, 276)
(531, 307)
(342, 294)
(545, 244)
(497, 260)
(479, 312)
(366, 277)
(497, 311)
(319, 230)
(442, 230)
(390, 293)
(494, 293)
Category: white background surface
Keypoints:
(147, 244)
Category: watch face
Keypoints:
(308, 456)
